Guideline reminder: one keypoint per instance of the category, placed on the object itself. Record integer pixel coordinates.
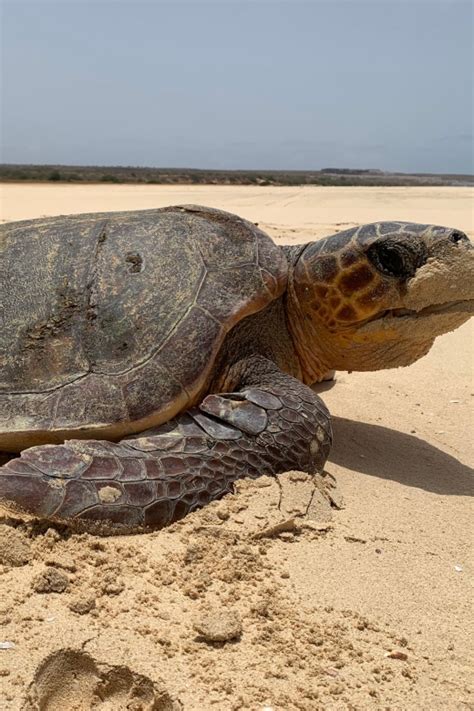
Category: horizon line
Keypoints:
(379, 171)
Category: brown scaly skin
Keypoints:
(369, 298)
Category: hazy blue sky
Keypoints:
(239, 84)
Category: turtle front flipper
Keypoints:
(152, 479)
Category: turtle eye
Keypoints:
(392, 259)
(457, 236)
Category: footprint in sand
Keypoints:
(71, 679)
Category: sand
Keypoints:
(245, 604)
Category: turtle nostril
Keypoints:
(457, 236)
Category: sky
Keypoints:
(239, 84)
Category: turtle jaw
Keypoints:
(392, 338)
(465, 306)
(402, 325)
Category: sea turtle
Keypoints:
(153, 357)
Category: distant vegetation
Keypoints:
(181, 176)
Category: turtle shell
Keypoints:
(112, 322)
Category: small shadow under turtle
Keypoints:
(388, 454)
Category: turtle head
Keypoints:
(378, 295)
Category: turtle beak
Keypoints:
(446, 278)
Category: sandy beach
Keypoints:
(366, 606)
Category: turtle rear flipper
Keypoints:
(150, 480)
